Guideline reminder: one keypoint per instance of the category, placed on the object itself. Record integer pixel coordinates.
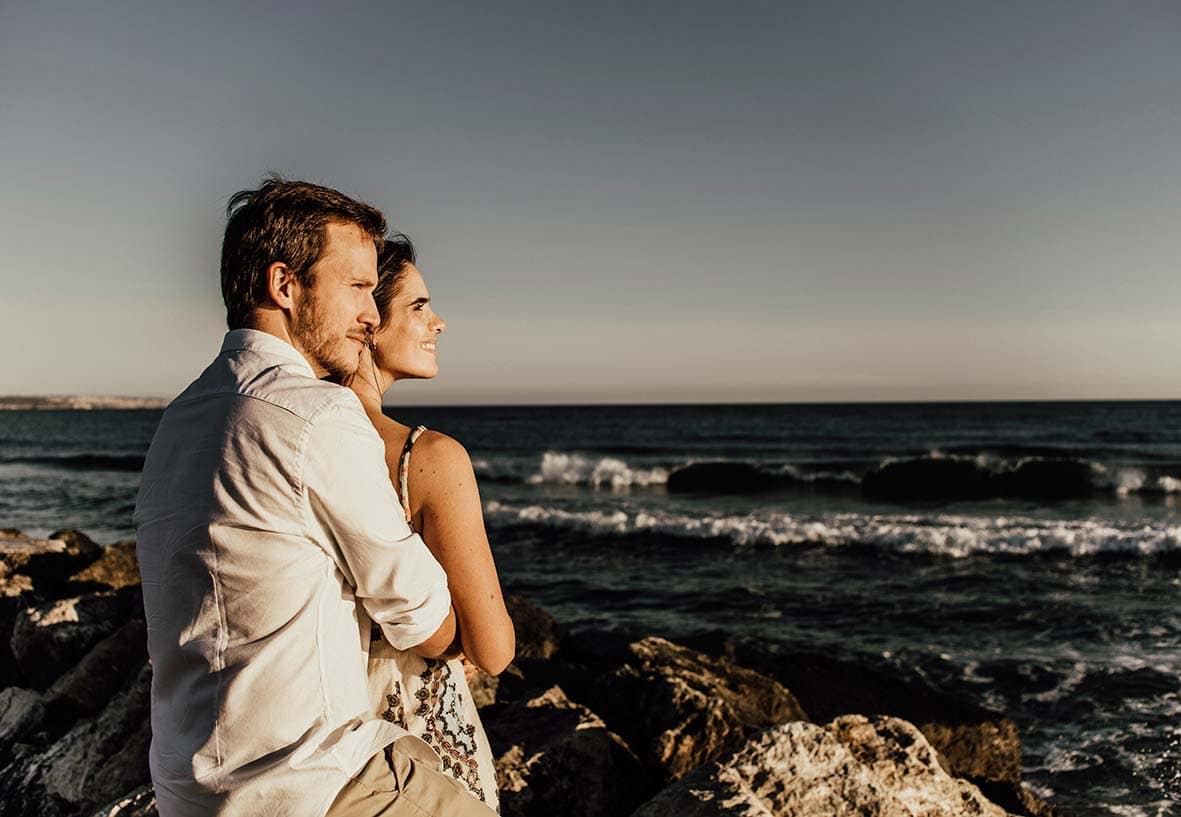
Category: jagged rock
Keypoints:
(538, 634)
(138, 803)
(854, 766)
(483, 687)
(554, 756)
(100, 758)
(27, 564)
(117, 567)
(679, 708)
(49, 639)
(31, 564)
(107, 668)
(17, 707)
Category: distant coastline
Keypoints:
(78, 401)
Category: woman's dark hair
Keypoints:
(396, 254)
(281, 221)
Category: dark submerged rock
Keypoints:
(721, 478)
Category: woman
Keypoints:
(437, 487)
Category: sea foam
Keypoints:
(942, 534)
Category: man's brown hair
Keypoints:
(282, 221)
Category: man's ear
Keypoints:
(281, 285)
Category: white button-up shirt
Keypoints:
(265, 516)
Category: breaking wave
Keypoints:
(944, 535)
(558, 468)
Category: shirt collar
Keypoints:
(265, 343)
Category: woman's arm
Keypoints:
(443, 485)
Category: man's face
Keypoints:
(335, 312)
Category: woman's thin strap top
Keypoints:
(404, 472)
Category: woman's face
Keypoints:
(405, 346)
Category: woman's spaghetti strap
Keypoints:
(404, 472)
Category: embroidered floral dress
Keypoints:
(430, 698)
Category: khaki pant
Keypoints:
(399, 783)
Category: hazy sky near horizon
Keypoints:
(619, 202)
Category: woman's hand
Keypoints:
(469, 669)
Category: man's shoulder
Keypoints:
(306, 397)
(267, 386)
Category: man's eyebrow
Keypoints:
(418, 301)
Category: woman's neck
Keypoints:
(369, 384)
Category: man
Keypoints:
(265, 517)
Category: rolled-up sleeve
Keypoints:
(350, 498)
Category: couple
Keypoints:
(313, 592)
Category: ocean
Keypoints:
(1024, 556)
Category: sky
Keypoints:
(619, 202)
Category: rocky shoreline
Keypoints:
(590, 724)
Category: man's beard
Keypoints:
(317, 342)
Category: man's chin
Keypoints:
(340, 371)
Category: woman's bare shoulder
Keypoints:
(442, 453)
(441, 474)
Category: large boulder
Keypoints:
(554, 756)
(679, 708)
(115, 568)
(108, 667)
(853, 767)
(49, 639)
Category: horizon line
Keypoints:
(164, 401)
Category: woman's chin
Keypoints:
(418, 374)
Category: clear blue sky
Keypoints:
(631, 202)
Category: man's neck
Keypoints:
(275, 323)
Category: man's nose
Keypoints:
(370, 316)
(440, 325)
